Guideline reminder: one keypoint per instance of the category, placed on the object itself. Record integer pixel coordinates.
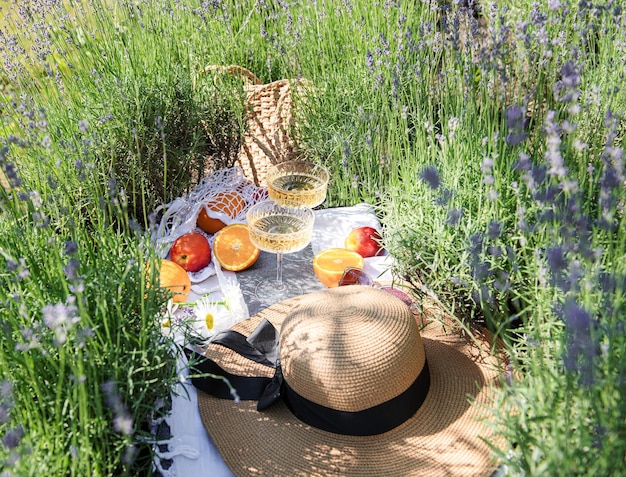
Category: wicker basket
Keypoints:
(270, 119)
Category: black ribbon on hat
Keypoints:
(262, 347)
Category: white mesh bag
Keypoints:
(179, 216)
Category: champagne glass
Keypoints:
(279, 229)
(297, 183)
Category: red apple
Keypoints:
(191, 251)
(366, 241)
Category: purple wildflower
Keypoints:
(6, 401)
(516, 124)
(10, 172)
(122, 421)
(581, 347)
(556, 259)
(60, 318)
(494, 230)
(31, 339)
(70, 247)
(566, 89)
(430, 175)
(444, 196)
(553, 153)
(369, 61)
(557, 265)
(476, 244)
(4, 413)
(454, 216)
(130, 453)
(12, 438)
(346, 152)
(123, 424)
(71, 269)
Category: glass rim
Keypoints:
(275, 205)
(305, 213)
(316, 166)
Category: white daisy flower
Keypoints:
(167, 317)
(234, 303)
(210, 317)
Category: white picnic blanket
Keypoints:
(190, 448)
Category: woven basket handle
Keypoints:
(234, 70)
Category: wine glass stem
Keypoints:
(279, 270)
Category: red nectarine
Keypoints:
(366, 241)
(191, 251)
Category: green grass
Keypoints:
(513, 217)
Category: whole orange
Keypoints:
(174, 278)
(230, 203)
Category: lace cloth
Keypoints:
(190, 451)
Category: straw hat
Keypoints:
(375, 395)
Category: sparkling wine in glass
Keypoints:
(279, 229)
(297, 183)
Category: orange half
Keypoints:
(233, 249)
(329, 264)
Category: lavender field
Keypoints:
(488, 136)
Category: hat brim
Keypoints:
(446, 436)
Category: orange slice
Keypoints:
(329, 264)
(228, 203)
(233, 249)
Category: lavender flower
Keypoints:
(556, 259)
(6, 390)
(4, 413)
(31, 339)
(19, 267)
(477, 240)
(494, 229)
(346, 153)
(83, 125)
(60, 318)
(10, 172)
(454, 216)
(112, 187)
(369, 61)
(566, 89)
(488, 178)
(453, 125)
(123, 424)
(430, 175)
(557, 266)
(613, 176)
(70, 247)
(71, 269)
(12, 438)
(553, 153)
(122, 421)
(130, 453)
(6, 401)
(516, 123)
(581, 347)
